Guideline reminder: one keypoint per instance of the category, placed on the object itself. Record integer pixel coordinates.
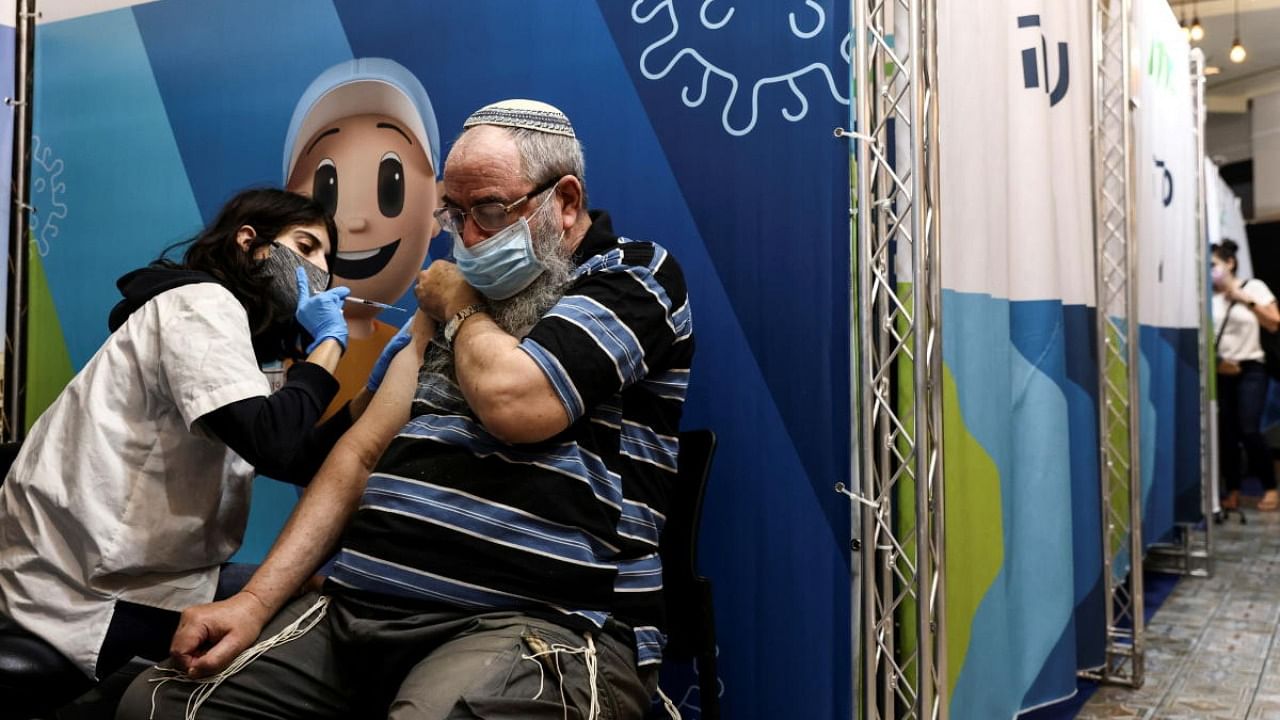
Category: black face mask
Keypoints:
(281, 266)
(284, 338)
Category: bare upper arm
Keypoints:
(524, 407)
(388, 410)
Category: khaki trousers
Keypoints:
(361, 662)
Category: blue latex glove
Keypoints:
(321, 314)
(394, 345)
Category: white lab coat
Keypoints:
(114, 495)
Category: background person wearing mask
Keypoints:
(1240, 310)
(133, 487)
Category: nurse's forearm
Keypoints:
(326, 355)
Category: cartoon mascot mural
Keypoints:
(363, 141)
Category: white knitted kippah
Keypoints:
(527, 114)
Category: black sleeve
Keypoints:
(278, 434)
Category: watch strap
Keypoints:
(455, 323)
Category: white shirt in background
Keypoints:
(1239, 341)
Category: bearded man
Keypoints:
(505, 493)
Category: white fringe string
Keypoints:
(671, 708)
(206, 686)
(593, 667)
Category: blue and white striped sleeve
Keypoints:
(609, 331)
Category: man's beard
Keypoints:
(520, 312)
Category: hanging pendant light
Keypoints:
(1182, 23)
(1237, 53)
(1197, 30)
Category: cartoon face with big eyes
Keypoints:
(374, 176)
(363, 141)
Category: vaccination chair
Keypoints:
(691, 627)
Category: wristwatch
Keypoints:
(452, 327)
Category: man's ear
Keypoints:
(570, 192)
(435, 204)
(244, 236)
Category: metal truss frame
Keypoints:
(898, 361)
(1117, 338)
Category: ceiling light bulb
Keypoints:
(1212, 70)
(1186, 32)
(1238, 53)
(1197, 30)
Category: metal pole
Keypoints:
(931, 275)
(881, 262)
(856, 393)
(1206, 320)
(920, 407)
(865, 328)
(15, 360)
(1119, 434)
(1137, 618)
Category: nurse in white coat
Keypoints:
(133, 488)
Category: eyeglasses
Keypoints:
(490, 216)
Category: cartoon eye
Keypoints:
(324, 186)
(390, 185)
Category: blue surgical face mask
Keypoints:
(502, 265)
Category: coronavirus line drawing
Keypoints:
(805, 26)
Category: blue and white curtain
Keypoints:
(1166, 168)
(1023, 536)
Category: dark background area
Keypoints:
(1263, 246)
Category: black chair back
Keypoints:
(8, 453)
(691, 627)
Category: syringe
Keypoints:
(373, 303)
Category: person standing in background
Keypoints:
(1241, 310)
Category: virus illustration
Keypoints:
(48, 193)
(709, 34)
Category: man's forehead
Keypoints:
(483, 159)
(484, 141)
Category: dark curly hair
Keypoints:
(1226, 252)
(270, 212)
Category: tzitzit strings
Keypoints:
(206, 686)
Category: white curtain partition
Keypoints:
(1165, 175)
(1225, 217)
(1023, 535)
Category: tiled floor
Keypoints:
(1212, 647)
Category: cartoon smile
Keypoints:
(361, 264)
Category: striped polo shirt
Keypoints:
(568, 526)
